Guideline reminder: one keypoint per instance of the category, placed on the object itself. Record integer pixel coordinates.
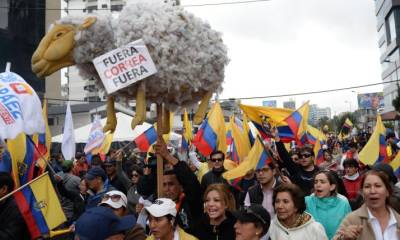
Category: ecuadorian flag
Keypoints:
(257, 158)
(39, 206)
(146, 139)
(294, 125)
(318, 152)
(375, 149)
(211, 134)
(395, 163)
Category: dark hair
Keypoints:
(295, 192)
(137, 169)
(169, 172)
(224, 193)
(331, 179)
(383, 177)
(307, 148)
(96, 160)
(6, 180)
(351, 163)
(217, 152)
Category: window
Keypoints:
(390, 28)
(50, 121)
(104, 6)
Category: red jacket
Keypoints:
(352, 187)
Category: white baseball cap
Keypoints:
(114, 199)
(162, 207)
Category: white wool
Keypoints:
(91, 42)
(189, 56)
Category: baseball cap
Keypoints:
(162, 207)
(114, 199)
(109, 161)
(254, 213)
(101, 223)
(95, 172)
(67, 165)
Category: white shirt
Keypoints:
(267, 200)
(390, 231)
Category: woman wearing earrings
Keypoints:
(218, 221)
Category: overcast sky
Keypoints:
(290, 46)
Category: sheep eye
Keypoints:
(59, 34)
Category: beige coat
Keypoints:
(360, 217)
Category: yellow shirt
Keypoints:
(182, 235)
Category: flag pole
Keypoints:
(159, 158)
(23, 186)
(41, 155)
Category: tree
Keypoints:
(342, 118)
(396, 100)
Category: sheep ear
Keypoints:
(89, 21)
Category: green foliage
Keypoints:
(396, 101)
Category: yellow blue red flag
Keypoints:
(40, 206)
(375, 149)
(259, 115)
(211, 134)
(295, 125)
(246, 128)
(395, 163)
(257, 158)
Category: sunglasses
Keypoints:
(305, 155)
(216, 160)
(114, 198)
(135, 175)
(251, 212)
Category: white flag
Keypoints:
(20, 107)
(68, 140)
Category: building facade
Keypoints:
(291, 104)
(388, 26)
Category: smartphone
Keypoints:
(285, 172)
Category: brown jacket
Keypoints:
(360, 217)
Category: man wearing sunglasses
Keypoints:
(302, 174)
(214, 175)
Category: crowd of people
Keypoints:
(293, 197)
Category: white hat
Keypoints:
(122, 202)
(162, 207)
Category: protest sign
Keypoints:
(124, 66)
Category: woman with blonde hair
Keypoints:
(218, 221)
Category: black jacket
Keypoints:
(303, 179)
(256, 194)
(191, 206)
(212, 177)
(225, 231)
(12, 224)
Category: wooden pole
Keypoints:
(160, 167)
(21, 187)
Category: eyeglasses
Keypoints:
(216, 160)
(305, 155)
(114, 198)
(251, 212)
(264, 169)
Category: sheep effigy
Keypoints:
(190, 57)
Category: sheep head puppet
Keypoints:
(189, 56)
